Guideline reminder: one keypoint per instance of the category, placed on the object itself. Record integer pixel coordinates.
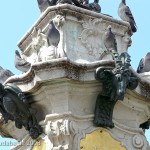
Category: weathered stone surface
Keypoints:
(61, 86)
(81, 34)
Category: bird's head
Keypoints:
(124, 1)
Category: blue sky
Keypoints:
(18, 16)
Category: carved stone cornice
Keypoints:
(65, 131)
(83, 69)
(62, 67)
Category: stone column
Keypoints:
(62, 89)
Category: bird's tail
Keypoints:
(133, 27)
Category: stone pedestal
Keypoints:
(62, 89)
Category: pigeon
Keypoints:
(64, 1)
(95, 6)
(4, 74)
(140, 66)
(44, 4)
(21, 64)
(125, 14)
(53, 35)
(109, 40)
(144, 64)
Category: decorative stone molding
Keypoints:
(85, 73)
(39, 50)
(131, 138)
(38, 39)
(42, 93)
(58, 68)
(58, 134)
(65, 131)
(79, 29)
(90, 37)
(39, 42)
(139, 142)
(47, 53)
(62, 132)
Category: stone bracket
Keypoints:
(115, 81)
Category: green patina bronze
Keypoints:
(14, 107)
(115, 82)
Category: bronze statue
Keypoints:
(44, 4)
(14, 107)
(115, 82)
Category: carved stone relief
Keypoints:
(38, 39)
(40, 49)
(38, 42)
(73, 131)
(47, 53)
(58, 135)
(59, 21)
(65, 131)
(90, 36)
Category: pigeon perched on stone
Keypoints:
(125, 14)
(4, 74)
(53, 35)
(140, 66)
(95, 6)
(109, 40)
(144, 65)
(44, 4)
(21, 64)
